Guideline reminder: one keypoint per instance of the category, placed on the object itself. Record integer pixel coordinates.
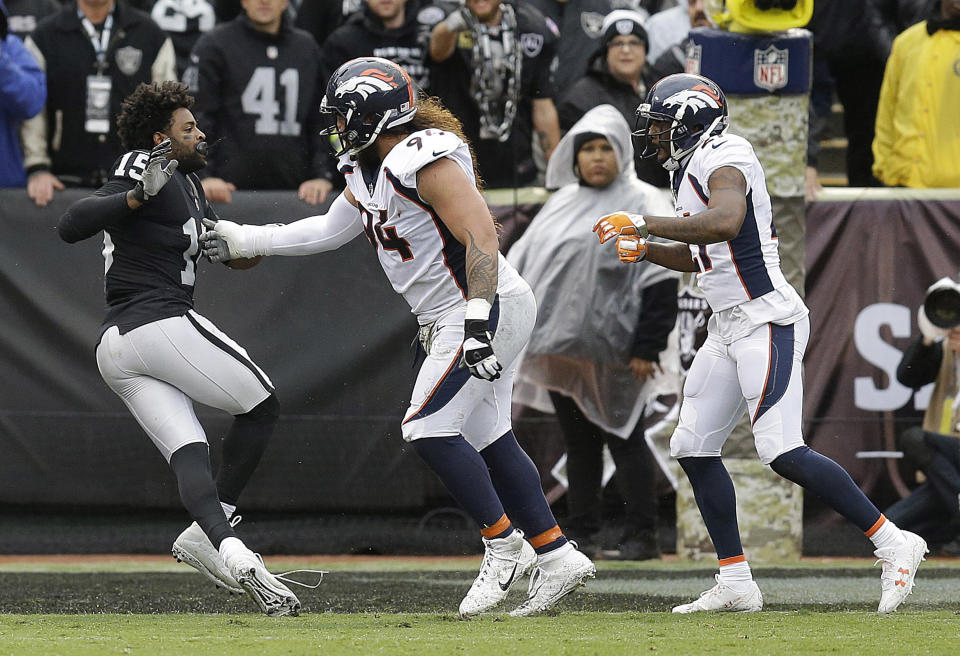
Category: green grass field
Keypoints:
(400, 607)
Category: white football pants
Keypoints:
(760, 373)
(159, 369)
(447, 400)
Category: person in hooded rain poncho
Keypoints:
(593, 357)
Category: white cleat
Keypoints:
(194, 548)
(505, 561)
(899, 569)
(273, 597)
(722, 598)
(554, 580)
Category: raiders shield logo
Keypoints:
(129, 60)
(531, 44)
(591, 23)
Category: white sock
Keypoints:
(228, 510)
(559, 552)
(888, 535)
(736, 576)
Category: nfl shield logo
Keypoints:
(694, 56)
(770, 68)
(129, 60)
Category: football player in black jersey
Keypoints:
(157, 353)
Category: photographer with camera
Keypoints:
(933, 508)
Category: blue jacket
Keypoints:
(23, 91)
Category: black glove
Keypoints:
(157, 172)
(478, 354)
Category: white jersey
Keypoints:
(423, 260)
(743, 272)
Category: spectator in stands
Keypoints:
(931, 509)
(257, 81)
(618, 76)
(600, 329)
(670, 26)
(22, 93)
(579, 23)
(917, 142)
(24, 15)
(673, 58)
(398, 30)
(852, 42)
(491, 68)
(184, 21)
(95, 53)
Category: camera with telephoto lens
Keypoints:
(942, 303)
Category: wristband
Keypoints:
(478, 309)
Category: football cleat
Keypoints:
(194, 548)
(273, 597)
(554, 580)
(899, 569)
(505, 561)
(724, 599)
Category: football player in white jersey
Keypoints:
(757, 335)
(412, 190)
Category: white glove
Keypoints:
(157, 172)
(226, 240)
(478, 355)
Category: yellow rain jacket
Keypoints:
(917, 141)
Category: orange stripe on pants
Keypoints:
(732, 560)
(499, 527)
(876, 526)
(546, 537)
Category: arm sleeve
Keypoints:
(88, 216)
(207, 60)
(164, 67)
(658, 315)
(543, 86)
(33, 132)
(314, 234)
(23, 84)
(884, 130)
(322, 163)
(920, 363)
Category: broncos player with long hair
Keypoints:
(752, 358)
(413, 191)
(157, 353)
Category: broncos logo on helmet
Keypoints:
(680, 112)
(364, 97)
(368, 82)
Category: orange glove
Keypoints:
(620, 223)
(631, 248)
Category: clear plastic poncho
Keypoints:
(588, 302)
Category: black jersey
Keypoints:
(258, 101)
(150, 254)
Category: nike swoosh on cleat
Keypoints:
(506, 586)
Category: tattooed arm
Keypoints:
(445, 186)
(546, 123)
(721, 220)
